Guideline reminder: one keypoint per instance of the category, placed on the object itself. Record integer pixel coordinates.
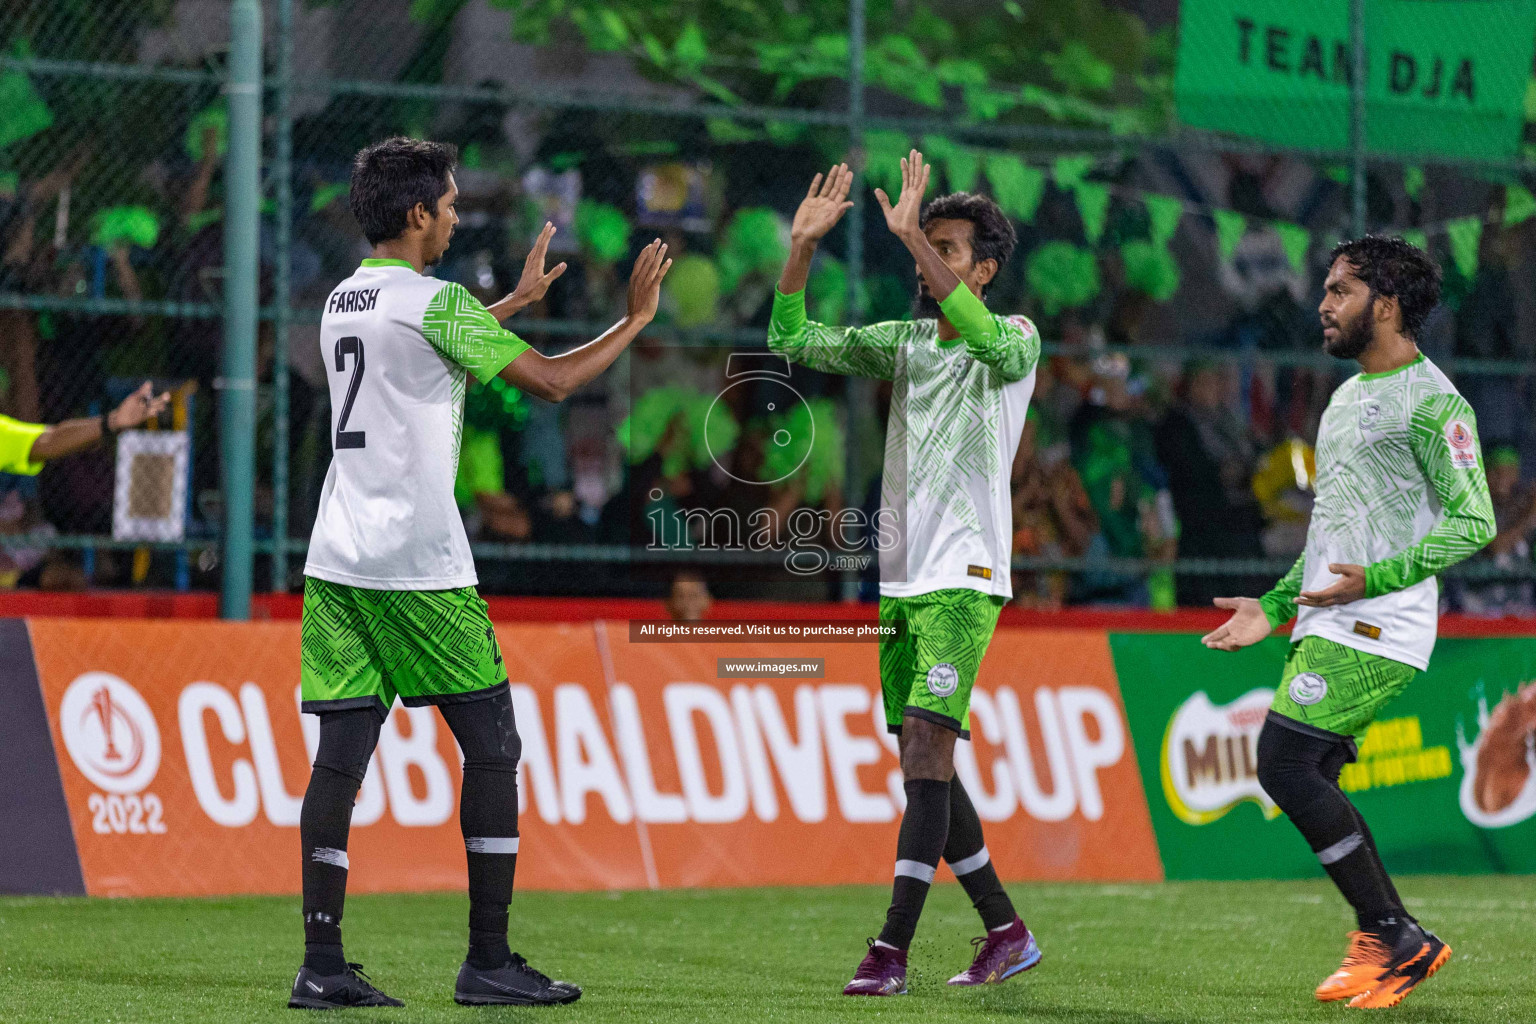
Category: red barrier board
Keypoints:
(184, 759)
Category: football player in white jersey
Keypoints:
(961, 378)
(390, 607)
(1401, 496)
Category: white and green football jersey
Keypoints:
(957, 412)
(396, 347)
(1401, 491)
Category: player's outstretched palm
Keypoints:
(824, 204)
(645, 281)
(1247, 626)
(535, 282)
(904, 219)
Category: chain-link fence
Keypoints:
(1173, 230)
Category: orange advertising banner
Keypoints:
(184, 760)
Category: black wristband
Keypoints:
(106, 425)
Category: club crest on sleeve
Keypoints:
(1461, 443)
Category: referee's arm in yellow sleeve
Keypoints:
(24, 447)
(16, 442)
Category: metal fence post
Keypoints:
(237, 397)
(282, 170)
(1357, 142)
(861, 391)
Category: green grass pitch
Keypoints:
(1114, 954)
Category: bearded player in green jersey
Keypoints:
(1400, 496)
(961, 380)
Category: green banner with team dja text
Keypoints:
(1441, 78)
(1446, 777)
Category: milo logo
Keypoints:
(1210, 756)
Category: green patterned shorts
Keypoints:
(362, 648)
(1336, 688)
(929, 670)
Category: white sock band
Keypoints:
(326, 855)
(1341, 849)
(974, 862)
(916, 869)
(490, 844)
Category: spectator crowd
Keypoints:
(1133, 455)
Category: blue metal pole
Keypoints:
(283, 174)
(237, 394)
(860, 392)
(1357, 116)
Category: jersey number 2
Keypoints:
(350, 438)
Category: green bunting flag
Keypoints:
(1093, 204)
(1413, 182)
(1230, 228)
(1519, 205)
(1416, 238)
(936, 149)
(1296, 240)
(1016, 186)
(962, 166)
(1062, 276)
(325, 194)
(1464, 233)
(883, 152)
(1068, 171)
(1163, 213)
(1150, 269)
(828, 291)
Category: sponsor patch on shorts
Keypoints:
(1462, 445)
(1308, 688)
(943, 680)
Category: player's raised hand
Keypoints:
(1248, 625)
(645, 280)
(1350, 587)
(903, 218)
(824, 204)
(139, 407)
(535, 282)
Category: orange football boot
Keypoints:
(1405, 977)
(1367, 959)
